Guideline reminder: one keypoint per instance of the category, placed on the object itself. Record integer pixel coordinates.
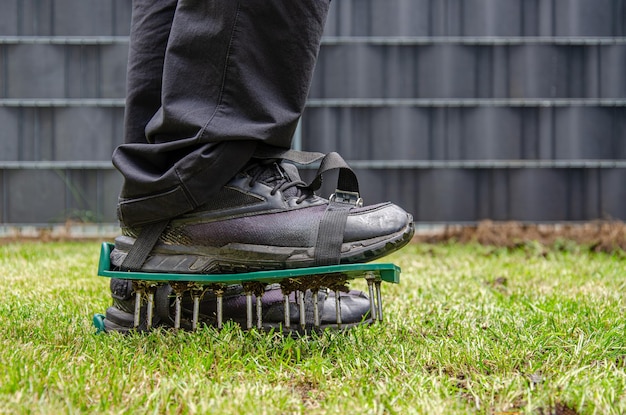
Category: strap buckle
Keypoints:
(344, 196)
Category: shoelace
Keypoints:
(271, 173)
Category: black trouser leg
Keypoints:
(208, 81)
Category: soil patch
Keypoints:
(599, 236)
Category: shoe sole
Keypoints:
(122, 322)
(238, 258)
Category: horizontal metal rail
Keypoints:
(488, 164)
(56, 165)
(63, 40)
(474, 40)
(359, 40)
(466, 102)
(362, 164)
(62, 102)
(350, 102)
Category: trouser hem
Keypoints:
(154, 208)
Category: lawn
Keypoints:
(470, 329)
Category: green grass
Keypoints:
(470, 329)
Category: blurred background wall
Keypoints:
(458, 110)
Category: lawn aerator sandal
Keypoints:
(204, 254)
(298, 281)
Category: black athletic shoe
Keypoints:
(355, 308)
(266, 218)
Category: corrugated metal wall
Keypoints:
(458, 110)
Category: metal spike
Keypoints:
(150, 308)
(370, 277)
(259, 311)
(248, 310)
(379, 300)
(287, 311)
(137, 315)
(220, 308)
(196, 309)
(302, 309)
(178, 310)
(338, 308)
(316, 309)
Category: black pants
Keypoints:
(208, 82)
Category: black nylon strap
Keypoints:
(347, 179)
(143, 245)
(330, 234)
(295, 156)
(333, 222)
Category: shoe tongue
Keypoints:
(273, 174)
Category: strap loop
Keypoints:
(342, 196)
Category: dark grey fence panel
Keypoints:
(34, 71)
(86, 133)
(458, 110)
(468, 133)
(480, 70)
(60, 133)
(45, 70)
(42, 196)
(477, 18)
(33, 196)
(9, 144)
(8, 18)
(65, 17)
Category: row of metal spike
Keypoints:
(146, 290)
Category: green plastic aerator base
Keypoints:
(298, 280)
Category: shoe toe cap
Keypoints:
(376, 221)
